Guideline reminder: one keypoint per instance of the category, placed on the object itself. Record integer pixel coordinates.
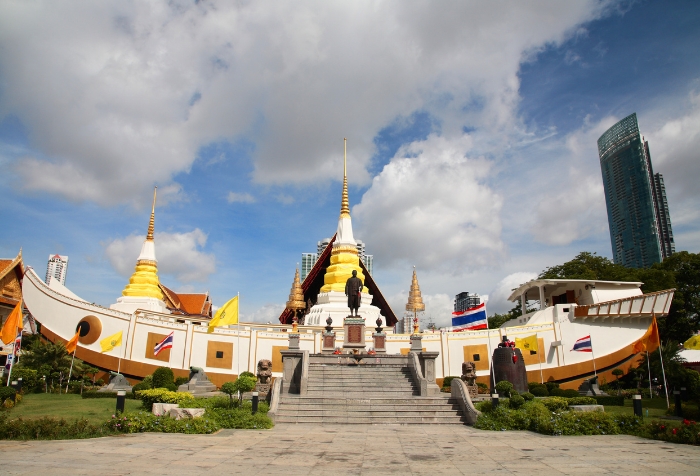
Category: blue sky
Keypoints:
(471, 137)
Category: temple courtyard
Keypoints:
(302, 449)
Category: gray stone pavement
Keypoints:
(290, 449)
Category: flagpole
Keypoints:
(539, 358)
(12, 363)
(70, 372)
(14, 343)
(490, 358)
(663, 372)
(651, 395)
(595, 372)
(119, 362)
(238, 336)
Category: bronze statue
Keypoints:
(353, 288)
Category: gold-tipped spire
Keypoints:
(151, 223)
(296, 295)
(345, 203)
(415, 300)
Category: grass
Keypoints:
(656, 408)
(70, 407)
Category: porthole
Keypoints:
(90, 328)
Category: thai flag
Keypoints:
(472, 319)
(583, 345)
(166, 343)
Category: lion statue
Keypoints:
(469, 373)
(264, 371)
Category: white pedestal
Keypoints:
(335, 304)
(131, 303)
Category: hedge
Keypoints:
(610, 401)
(96, 394)
(161, 395)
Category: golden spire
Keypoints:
(151, 223)
(345, 203)
(296, 295)
(415, 301)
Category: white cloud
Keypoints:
(267, 313)
(240, 197)
(178, 254)
(433, 210)
(121, 95)
(498, 298)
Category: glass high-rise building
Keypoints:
(635, 199)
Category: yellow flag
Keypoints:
(692, 343)
(12, 325)
(111, 342)
(527, 343)
(73, 343)
(226, 315)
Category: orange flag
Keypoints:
(650, 341)
(13, 324)
(73, 343)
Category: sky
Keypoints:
(471, 131)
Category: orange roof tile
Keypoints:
(193, 303)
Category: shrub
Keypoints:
(504, 388)
(7, 393)
(162, 377)
(539, 391)
(161, 395)
(527, 396)
(557, 392)
(611, 401)
(583, 401)
(30, 378)
(551, 385)
(691, 413)
(483, 388)
(485, 406)
(248, 374)
(688, 432)
(181, 381)
(516, 401)
(571, 393)
(447, 382)
(142, 421)
(47, 429)
(556, 404)
(140, 386)
(240, 418)
(96, 394)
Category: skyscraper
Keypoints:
(637, 213)
(57, 268)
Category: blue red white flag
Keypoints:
(166, 343)
(583, 345)
(472, 319)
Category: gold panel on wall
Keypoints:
(153, 339)
(531, 359)
(277, 357)
(220, 354)
(482, 350)
(406, 350)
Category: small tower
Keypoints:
(296, 298)
(415, 303)
(143, 290)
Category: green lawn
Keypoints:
(70, 407)
(656, 407)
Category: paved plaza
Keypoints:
(290, 449)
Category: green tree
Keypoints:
(683, 320)
(229, 389)
(617, 372)
(49, 357)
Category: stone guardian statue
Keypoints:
(353, 289)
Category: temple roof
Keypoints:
(314, 281)
(188, 304)
(11, 273)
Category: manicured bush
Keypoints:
(161, 395)
(555, 404)
(163, 377)
(527, 396)
(516, 401)
(240, 418)
(611, 401)
(540, 391)
(447, 382)
(7, 393)
(142, 421)
(181, 381)
(31, 380)
(557, 392)
(504, 388)
(96, 394)
(551, 385)
(483, 388)
(47, 429)
(687, 433)
(485, 406)
(583, 401)
(247, 374)
(690, 413)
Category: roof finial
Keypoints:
(345, 204)
(151, 223)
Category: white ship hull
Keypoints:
(614, 328)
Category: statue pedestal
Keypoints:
(354, 327)
(379, 339)
(335, 305)
(328, 342)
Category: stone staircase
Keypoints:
(365, 394)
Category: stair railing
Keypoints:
(461, 393)
(276, 392)
(427, 388)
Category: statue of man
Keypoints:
(353, 288)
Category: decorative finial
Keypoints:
(345, 203)
(151, 223)
(296, 295)
(415, 300)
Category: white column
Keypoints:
(523, 303)
(542, 303)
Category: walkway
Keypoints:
(290, 450)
